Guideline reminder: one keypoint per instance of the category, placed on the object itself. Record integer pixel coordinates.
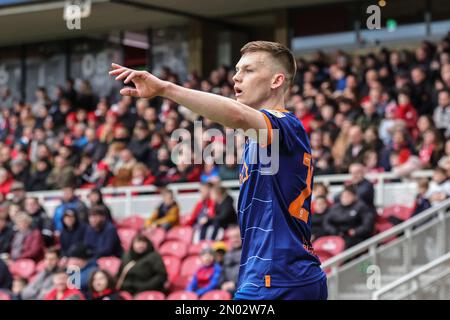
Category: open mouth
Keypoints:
(237, 92)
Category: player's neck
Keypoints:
(273, 103)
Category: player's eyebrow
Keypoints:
(243, 66)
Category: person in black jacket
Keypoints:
(142, 268)
(225, 211)
(140, 143)
(40, 219)
(321, 209)
(351, 219)
(6, 234)
(72, 233)
(102, 286)
(38, 179)
(364, 188)
(6, 279)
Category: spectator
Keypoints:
(40, 219)
(27, 243)
(72, 233)
(203, 212)
(60, 290)
(224, 209)
(95, 198)
(6, 234)
(355, 151)
(101, 235)
(167, 215)
(230, 170)
(441, 113)
(5, 276)
(38, 288)
(207, 277)
(321, 209)
(350, 219)
(61, 174)
(140, 143)
(82, 258)
(364, 188)
(17, 194)
(231, 260)
(39, 175)
(5, 181)
(18, 285)
(142, 268)
(69, 201)
(102, 286)
(439, 188)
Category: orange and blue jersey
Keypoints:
(275, 208)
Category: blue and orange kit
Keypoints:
(275, 207)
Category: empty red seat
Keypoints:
(173, 265)
(150, 295)
(184, 218)
(126, 295)
(332, 244)
(188, 267)
(182, 233)
(110, 264)
(174, 248)
(23, 268)
(216, 295)
(126, 236)
(156, 236)
(195, 249)
(4, 296)
(133, 222)
(399, 211)
(182, 295)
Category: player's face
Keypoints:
(253, 78)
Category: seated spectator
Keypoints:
(27, 243)
(439, 188)
(224, 209)
(40, 219)
(6, 234)
(95, 198)
(60, 290)
(5, 181)
(102, 286)
(230, 169)
(69, 201)
(72, 233)
(61, 174)
(406, 111)
(203, 212)
(207, 277)
(210, 172)
(6, 278)
(18, 285)
(351, 219)
(17, 194)
(220, 249)
(430, 149)
(364, 188)
(101, 235)
(38, 288)
(321, 209)
(141, 175)
(357, 147)
(441, 113)
(140, 143)
(82, 258)
(167, 215)
(231, 260)
(39, 175)
(371, 163)
(142, 268)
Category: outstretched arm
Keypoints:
(225, 111)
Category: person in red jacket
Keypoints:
(407, 112)
(5, 181)
(27, 243)
(61, 291)
(203, 212)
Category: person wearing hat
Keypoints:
(17, 193)
(81, 257)
(101, 235)
(207, 277)
(73, 231)
(350, 218)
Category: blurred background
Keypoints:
(87, 180)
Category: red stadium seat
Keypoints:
(126, 236)
(182, 233)
(188, 267)
(126, 295)
(23, 268)
(174, 248)
(332, 244)
(4, 296)
(156, 236)
(195, 249)
(216, 295)
(110, 264)
(182, 295)
(398, 211)
(150, 295)
(133, 222)
(184, 218)
(173, 266)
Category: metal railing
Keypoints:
(395, 252)
(417, 284)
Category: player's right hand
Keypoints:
(146, 84)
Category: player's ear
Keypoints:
(278, 80)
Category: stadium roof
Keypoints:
(33, 20)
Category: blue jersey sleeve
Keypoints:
(288, 128)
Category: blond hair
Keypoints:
(279, 52)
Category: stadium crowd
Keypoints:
(385, 111)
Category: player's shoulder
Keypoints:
(282, 116)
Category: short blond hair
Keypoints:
(279, 52)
